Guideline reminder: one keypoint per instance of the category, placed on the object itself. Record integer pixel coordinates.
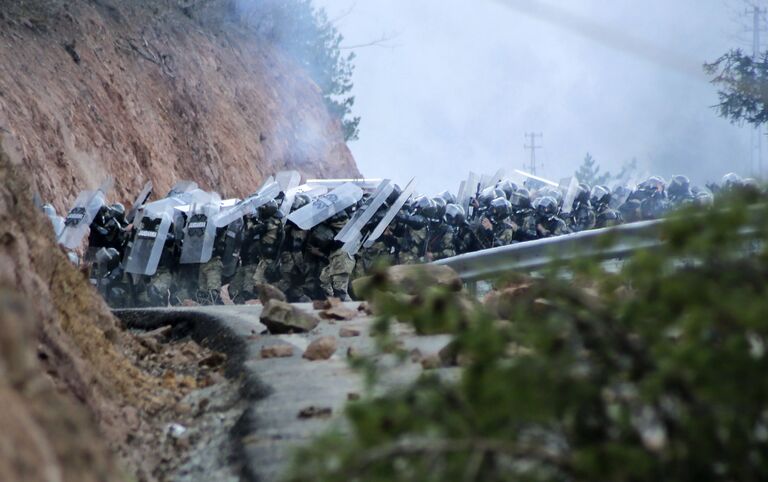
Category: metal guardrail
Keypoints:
(603, 244)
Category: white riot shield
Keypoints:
(151, 234)
(366, 184)
(326, 206)
(79, 219)
(181, 187)
(393, 210)
(569, 195)
(366, 212)
(353, 244)
(289, 182)
(312, 192)
(199, 235)
(536, 179)
(462, 193)
(247, 206)
(58, 224)
(140, 200)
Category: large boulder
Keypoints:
(282, 318)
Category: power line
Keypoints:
(757, 27)
(531, 137)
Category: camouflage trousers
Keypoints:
(157, 290)
(209, 278)
(335, 277)
(241, 288)
(185, 282)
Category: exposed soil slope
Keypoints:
(90, 88)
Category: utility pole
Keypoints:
(531, 137)
(758, 15)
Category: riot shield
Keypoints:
(247, 206)
(363, 215)
(181, 187)
(326, 206)
(288, 181)
(353, 244)
(571, 189)
(536, 179)
(393, 210)
(80, 217)
(199, 234)
(140, 200)
(366, 184)
(149, 241)
(470, 190)
(233, 240)
(312, 192)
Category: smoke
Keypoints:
(466, 80)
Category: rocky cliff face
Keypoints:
(146, 90)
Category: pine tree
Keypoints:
(589, 172)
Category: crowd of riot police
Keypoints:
(310, 242)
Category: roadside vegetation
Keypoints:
(652, 372)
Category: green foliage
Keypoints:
(589, 172)
(306, 33)
(655, 372)
(743, 83)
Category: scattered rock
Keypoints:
(321, 349)
(268, 292)
(345, 332)
(365, 307)
(315, 412)
(502, 303)
(277, 351)
(353, 352)
(282, 318)
(430, 362)
(338, 312)
(352, 396)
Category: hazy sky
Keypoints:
(465, 79)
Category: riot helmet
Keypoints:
(500, 209)
(582, 195)
(118, 212)
(268, 209)
(600, 196)
(731, 181)
(396, 192)
(546, 206)
(521, 199)
(300, 201)
(448, 197)
(455, 215)
(422, 203)
(508, 187)
(440, 205)
(679, 187)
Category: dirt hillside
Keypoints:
(90, 88)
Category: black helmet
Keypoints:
(118, 212)
(731, 180)
(609, 217)
(546, 206)
(396, 192)
(500, 208)
(600, 196)
(521, 199)
(582, 194)
(440, 205)
(448, 197)
(508, 187)
(422, 203)
(679, 186)
(268, 210)
(455, 215)
(300, 201)
(654, 184)
(486, 196)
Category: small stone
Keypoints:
(345, 332)
(353, 352)
(315, 412)
(352, 396)
(430, 362)
(277, 351)
(282, 318)
(338, 312)
(321, 349)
